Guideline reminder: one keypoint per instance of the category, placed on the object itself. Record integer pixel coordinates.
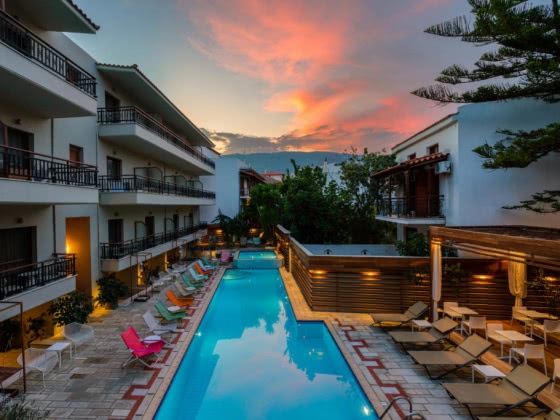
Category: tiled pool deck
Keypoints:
(94, 386)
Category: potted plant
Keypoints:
(36, 327)
(110, 290)
(73, 307)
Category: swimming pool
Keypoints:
(251, 359)
(257, 259)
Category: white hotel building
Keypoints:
(439, 180)
(99, 170)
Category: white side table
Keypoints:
(174, 309)
(489, 372)
(59, 348)
(420, 324)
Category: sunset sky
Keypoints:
(274, 75)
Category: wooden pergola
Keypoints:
(525, 245)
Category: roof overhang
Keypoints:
(251, 173)
(537, 246)
(53, 15)
(153, 101)
(410, 164)
(430, 130)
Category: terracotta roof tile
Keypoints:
(419, 161)
(81, 12)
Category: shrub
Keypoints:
(73, 307)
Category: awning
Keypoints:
(411, 163)
(152, 100)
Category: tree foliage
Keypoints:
(415, 246)
(73, 307)
(265, 206)
(526, 63)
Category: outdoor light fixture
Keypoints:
(371, 273)
(320, 272)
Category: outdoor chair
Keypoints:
(519, 317)
(457, 358)
(552, 415)
(201, 271)
(177, 301)
(517, 389)
(183, 289)
(140, 349)
(78, 334)
(437, 334)
(197, 277)
(167, 314)
(474, 323)
(530, 351)
(448, 312)
(157, 327)
(187, 281)
(40, 360)
(491, 334)
(555, 373)
(548, 327)
(396, 320)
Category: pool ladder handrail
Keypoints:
(410, 415)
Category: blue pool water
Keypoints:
(250, 359)
(257, 255)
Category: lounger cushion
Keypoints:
(439, 357)
(445, 325)
(484, 394)
(390, 317)
(413, 337)
(527, 379)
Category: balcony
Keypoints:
(33, 178)
(117, 256)
(140, 190)
(132, 128)
(38, 283)
(412, 210)
(37, 78)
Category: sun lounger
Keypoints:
(186, 280)
(396, 320)
(204, 266)
(196, 276)
(224, 257)
(184, 290)
(553, 415)
(158, 328)
(209, 263)
(201, 271)
(518, 388)
(177, 301)
(461, 356)
(436, 335)
(167, 314)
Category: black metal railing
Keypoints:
(132, 246)
(24, 164)
(137, 183)
(18, 37)
(18, 279)
(412, 207)
(132, 114)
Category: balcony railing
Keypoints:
(121, 249)
(132, 114)
(136, 183)
(18, 37)
(412, 207)
(24, 164)
(17, 279)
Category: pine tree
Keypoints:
(526, 63)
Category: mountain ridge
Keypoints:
(281, 161)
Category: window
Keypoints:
(115, 230)
(433, 149)
(20, 247)
(76, 155)
(412, 156)
(114, 167)
(111, 101)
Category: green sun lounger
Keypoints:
(167, 314)
(396, 320)
(517, 389)
(459, 357)
(435, 335)
(187, 280)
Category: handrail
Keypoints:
(412, 206)
(128, 114)
(20, 163)
(409, 415)
(18, 279)
(17, 36)
(126, 183)
(121, 249)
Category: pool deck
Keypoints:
(93, 385)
